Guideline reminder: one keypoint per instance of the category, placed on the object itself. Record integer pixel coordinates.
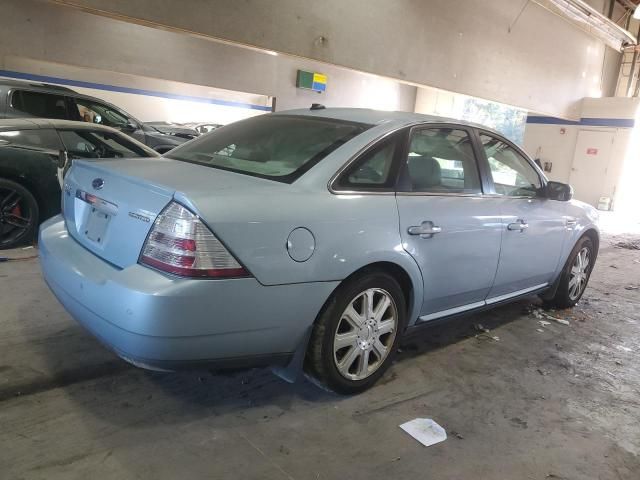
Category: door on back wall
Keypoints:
(590, 163)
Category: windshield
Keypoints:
(277, 147)
(103, 114)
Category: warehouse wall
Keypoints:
(539, 62)
(41, 34)
(147, 99)
(553, 143)
(508, 120)
(554, 140)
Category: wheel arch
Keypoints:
(590, 232)
(26, 183)
(593, 234)
(410, 280)
(409, 284)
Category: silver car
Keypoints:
(310, 239)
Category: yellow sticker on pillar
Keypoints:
(319, 82)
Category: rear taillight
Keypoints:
(181, 244)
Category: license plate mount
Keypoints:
(96, 225)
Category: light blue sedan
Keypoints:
(313, 238)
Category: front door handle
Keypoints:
(426, 229)
(520, 225)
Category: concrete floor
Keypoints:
(558, 401)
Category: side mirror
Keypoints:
(562, 192)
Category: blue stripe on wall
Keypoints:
(550, 120)
(608, 122)
(590, 122)
(134, 91)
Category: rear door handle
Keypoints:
(520, 225)
(426, 229)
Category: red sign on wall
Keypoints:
(592, 151)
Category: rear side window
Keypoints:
(97, 144)
(37, 104)
(276, 147)
(374, 170)
(441, 160)
(37, 139)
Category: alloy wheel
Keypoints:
(365, 334)
(16, 218)
(579, 274)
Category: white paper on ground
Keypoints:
(425, 430)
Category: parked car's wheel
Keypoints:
(356, 336)
(575, 275)
(18, 214)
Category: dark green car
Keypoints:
(31, 152)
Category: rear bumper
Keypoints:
(157, 321)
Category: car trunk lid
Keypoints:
(109, 212)
(110, 205)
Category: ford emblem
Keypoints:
(97, 183)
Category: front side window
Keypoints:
(36, 139)
(276, 147)
(441, 160)
(37, 104)
(97, 144)
(94, 112)
(512, 174)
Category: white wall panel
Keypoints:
(540, 63)
(37, 31)
(548, 143)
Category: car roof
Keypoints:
(10, 82)
(59, 89)
(373, 117)
(37, 123)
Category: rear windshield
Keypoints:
(277, 147)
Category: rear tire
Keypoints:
(19, 214)
(575, 275)
(356, 336)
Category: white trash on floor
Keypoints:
(425, 430)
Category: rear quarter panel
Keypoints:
(350, 232)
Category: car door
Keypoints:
(447, 224)
(533, 227)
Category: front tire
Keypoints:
(575, 275)
(356, 336)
